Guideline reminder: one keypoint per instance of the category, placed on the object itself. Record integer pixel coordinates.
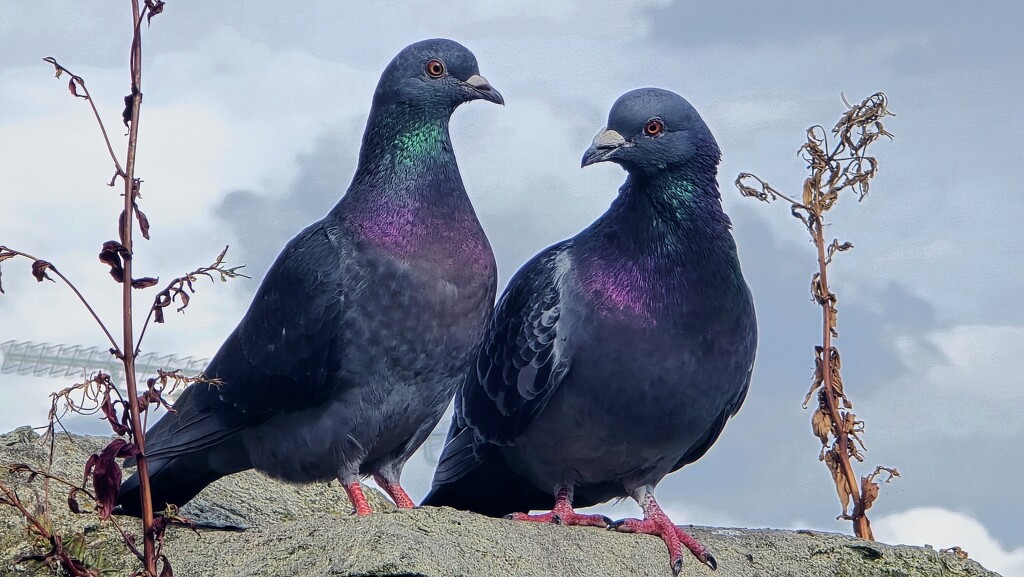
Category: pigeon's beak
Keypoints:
(605, 144)
(483, 90)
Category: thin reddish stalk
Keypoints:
(149, 543)
(861, 526)
(843, 164)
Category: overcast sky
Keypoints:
(250, 130)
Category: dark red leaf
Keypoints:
(106, 474)
(23, 468)
(155, 7)
(76, 80)
(162, 300)
(166, 571)
(144, 282)
(39, 270)
(110, 255)
(143, 222)
(89, 464)
(160, 524)
(126, 114)
(126, 421)
(72, 502)
(109, 410)
(120, 227)
(184, 300)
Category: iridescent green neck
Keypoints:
(680, 199)
(401, 143)
(422, 141)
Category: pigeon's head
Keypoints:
(434, 76)
(651, 130)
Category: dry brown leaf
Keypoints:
(821, 425)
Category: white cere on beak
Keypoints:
(608, 138)
(477, 81)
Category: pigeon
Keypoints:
(615, 357)
(364, 326)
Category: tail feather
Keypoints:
(489, 488)
(176, 480)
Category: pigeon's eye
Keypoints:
(435, 68)
(654, 127)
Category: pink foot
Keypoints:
(563, 514)
(396, 491)
(656, 522)
(358, 500)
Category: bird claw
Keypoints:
(673, 536)
(710, 561)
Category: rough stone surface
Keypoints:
(309, 530)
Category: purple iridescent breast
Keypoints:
(624, 288)
(421, 237)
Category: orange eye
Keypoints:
(654, 127)
(435, 68)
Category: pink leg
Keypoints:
(563, 514)
(656, 522)
(396, 491)
(358, 500)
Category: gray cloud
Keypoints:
(262, 222)
(81, 24)
(951, 33)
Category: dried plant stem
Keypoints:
(861, 525)
(834, 167)
(127, 223)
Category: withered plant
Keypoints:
(125, 412)
(837, 165)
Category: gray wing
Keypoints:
(524, 356)
(284, 356)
